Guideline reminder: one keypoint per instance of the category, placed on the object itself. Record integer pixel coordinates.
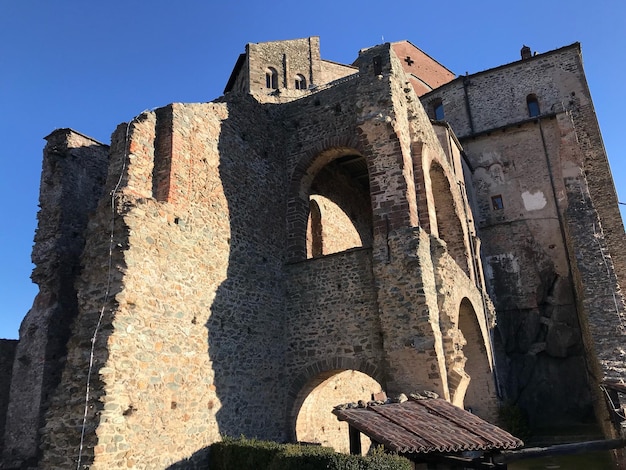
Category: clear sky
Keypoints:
(91, 65)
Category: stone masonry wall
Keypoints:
(288, 58)
(528, 273)
(7, 355)
(332, 311)
(197, 283)
(533, 241)
(204, 315)
(493, 98)
(74, 168)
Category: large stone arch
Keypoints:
(448, 226)
(314, 375)
(308, 176)
(475, 357)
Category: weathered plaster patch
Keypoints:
(534, 201)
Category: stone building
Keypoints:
(310, 238)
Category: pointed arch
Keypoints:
(476, 366)
(449, 227)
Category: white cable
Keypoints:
(608, 273)
(106, 294)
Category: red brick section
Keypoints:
(430, 73)
(424, 426)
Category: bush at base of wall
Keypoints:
(250, 454)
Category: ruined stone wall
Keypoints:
(387, 118)
(74, 168)
(190, 345)
(7, 355)
(205, 317)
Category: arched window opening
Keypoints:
(271, 78)
(438, 110)
(339, 204)
(449, 227)
(315, 422)
(300, 82)
(533, 105)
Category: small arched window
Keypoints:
(271, 78)
(438, 110)
(533, 105)
(300, 82)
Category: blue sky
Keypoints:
(92, 65)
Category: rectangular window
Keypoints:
(439, 115)
(496, 202)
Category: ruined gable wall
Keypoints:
(74, 168)
(190, 343)
(357, 115)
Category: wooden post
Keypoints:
(355, 440)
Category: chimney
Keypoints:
(525, 52)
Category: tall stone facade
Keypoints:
(547, 214)
(225, 260)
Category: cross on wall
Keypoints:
(409, 61)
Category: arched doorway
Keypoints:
(315, 422)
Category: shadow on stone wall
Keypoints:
(74, 170)
(245, 328)
(199, 460)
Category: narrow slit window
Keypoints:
(438, 110)
(533, 105)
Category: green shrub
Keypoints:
(512, 419)
(251, 454)
(242, 453)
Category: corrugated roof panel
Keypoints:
(423, 426)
